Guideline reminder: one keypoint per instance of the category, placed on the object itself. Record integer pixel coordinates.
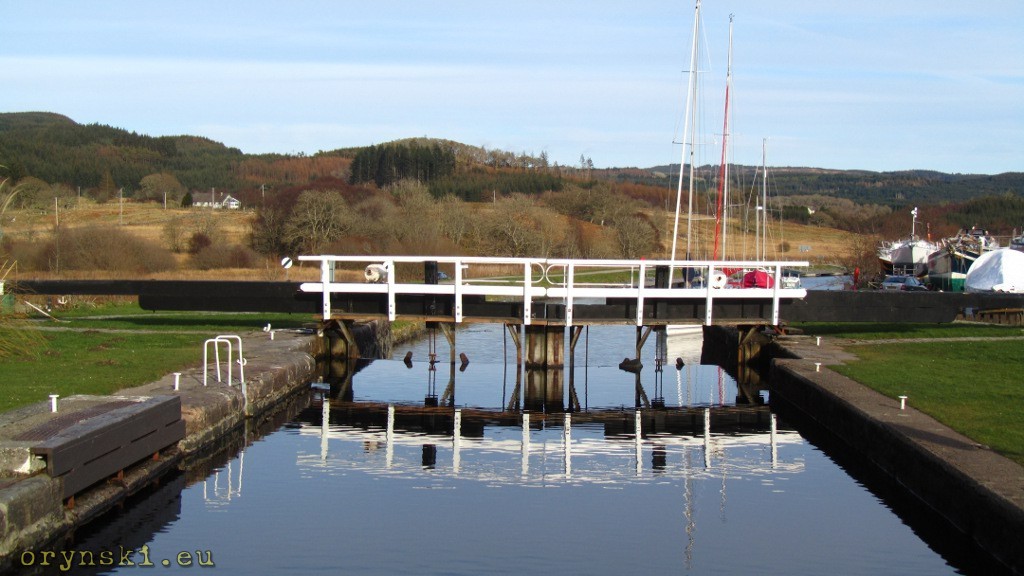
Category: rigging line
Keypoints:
(751, 210)
(679, 117)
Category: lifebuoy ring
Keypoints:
(719, 280)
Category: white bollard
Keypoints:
(177, 380)
(903, 402)
(817, 340)
(53, 402)
(271, 334)
(817, 366)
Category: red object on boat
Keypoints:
(758, 279)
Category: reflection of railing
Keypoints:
(536, 282)
(583, 457)
(214, 494)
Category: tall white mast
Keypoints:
(691, 93)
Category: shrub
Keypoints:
(224, 256)
(107, 248)
(173, 234)
(198, 242)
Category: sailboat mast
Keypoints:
(689, 197)
(764, 199)
(691, 90)
(723, 170)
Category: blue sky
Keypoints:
(910, 84)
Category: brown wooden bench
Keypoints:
(1011, 316)
(105, 444)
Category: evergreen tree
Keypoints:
(388, 164)
(107, 188)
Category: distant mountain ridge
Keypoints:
(863, 186)
(56, 149)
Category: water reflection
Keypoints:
(667, 373)
(377, 479)
(225, 483)
(142, 517)
(601, 447)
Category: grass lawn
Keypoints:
(974, 387)
(81, 357)
(883, 331)
(94, 363)
(131, 317)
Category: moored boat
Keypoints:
(906, 256)
(1017, 242)
(910, 256)
(947, 269)
(999, 270)
(949, 263)
(758, 279)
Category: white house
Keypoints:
(229, 202)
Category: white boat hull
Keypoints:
(911, 257)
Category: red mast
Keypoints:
(723, 172)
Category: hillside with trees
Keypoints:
(102, 161)
(892, 189)
(420, 196)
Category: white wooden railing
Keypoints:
(549, 279)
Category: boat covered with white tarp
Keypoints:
(997, 271)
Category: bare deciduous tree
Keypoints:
(174, 233)
(635, 236)
(418, 229)
(509, 231)
(267, 233)
(453, 218)
(319, 218)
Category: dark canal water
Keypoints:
(355, 494)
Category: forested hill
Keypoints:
(901, 188)
(57, 150)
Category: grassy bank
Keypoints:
(103, 349)
(967, 376)
(94, 363)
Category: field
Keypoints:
(815, 244)
(147, 221)
(820, 246)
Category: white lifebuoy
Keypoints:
(376, 273)
(719, 280)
